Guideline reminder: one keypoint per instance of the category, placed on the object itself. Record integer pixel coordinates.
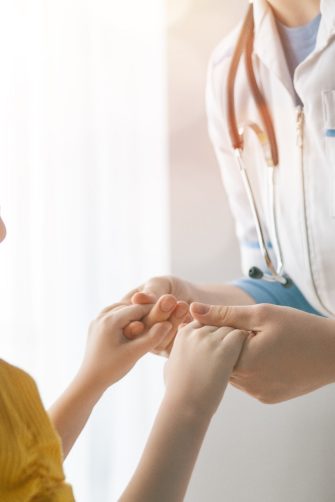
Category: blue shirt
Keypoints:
(272, 292)
(298, 42)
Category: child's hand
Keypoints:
(200, 364)
(109, 354)
(167, 308)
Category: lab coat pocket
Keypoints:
(328, 101)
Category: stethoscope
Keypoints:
(268, 143)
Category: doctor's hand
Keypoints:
(199, 366)
(288, 352)
(154, 288)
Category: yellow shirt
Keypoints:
(30, 449)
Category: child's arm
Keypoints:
(109, 356)
(197, 373)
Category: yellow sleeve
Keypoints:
(30, 454)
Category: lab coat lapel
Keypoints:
(268, 46)
(327, 25)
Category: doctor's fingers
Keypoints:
(249, 318)
(127, 298)
(152, 290)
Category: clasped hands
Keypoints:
(287, 352)
(272, 353)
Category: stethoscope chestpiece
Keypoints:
(257, 273)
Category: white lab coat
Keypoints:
(305, 178)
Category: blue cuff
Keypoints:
(273, 292)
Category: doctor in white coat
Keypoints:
(290, 351)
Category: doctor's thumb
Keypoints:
(221, 315)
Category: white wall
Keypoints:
(253, 452)
(203, 248)
(82, 164)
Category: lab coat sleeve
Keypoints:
(218, 133)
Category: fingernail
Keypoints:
(167, 304)
(200, 308)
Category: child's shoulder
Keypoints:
(18, 390)
(10, 375)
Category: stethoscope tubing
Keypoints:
(269, 144)
(275, 274)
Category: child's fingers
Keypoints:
(204, 331)
(188, 318)
(161, 311)
(133, 330)
(136, 328)
(124, 316)
(154, 337)
(221, 333)
(231, 335)
(193, 325)
(178, 315)
(156, 315)
(176, 319)
(232, 343)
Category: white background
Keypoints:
(97, 198)
(84, 194)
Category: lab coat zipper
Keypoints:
(300, 119)
(272, 190)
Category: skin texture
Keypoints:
(183, 293)
(200, 364)
(288, 352)
(295, 12)
(196, 376)
(167, 307)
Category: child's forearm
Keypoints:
(169, 457)
(72, 409)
